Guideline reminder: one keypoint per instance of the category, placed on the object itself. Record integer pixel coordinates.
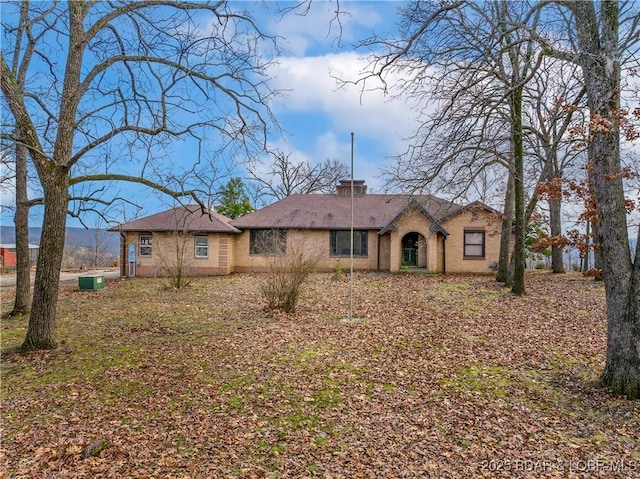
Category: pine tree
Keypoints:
(234, 200)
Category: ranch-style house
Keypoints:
(392, 232)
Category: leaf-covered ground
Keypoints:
(437, 377)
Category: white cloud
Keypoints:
(313, 89)
(316, 112)
(318, 27)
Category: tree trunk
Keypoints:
(41, 331)
(597, 252)
(555, 225)
(518, 183)
(600, 61)
(621, 279)
(586, 263)
(595, 226)
(22, 301)
(510, 271)
(507, 228)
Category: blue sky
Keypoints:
(316, 115)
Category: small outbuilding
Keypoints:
(8, 255)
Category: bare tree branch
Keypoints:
(286, 177)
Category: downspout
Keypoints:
(444, 254)
(123, 254)
(378, 255)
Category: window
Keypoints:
(340, 243)
(146, 245)
(201, 246)
(268, 242)
(474, 244)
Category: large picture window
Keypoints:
(201, 246)
(340, 243)
(145, 247)
(474, 244)
(268, 242)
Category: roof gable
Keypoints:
(414, 204)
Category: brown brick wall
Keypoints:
(477, 221)
(312, 242)
(164, 250)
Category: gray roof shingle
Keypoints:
(334, 211)
(187, 218)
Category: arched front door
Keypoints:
(411, 246)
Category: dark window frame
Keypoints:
(467, 243)
(360, 243)
(146, 245)
(267, 242)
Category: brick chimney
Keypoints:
(344, 188)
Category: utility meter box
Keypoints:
(91, 282)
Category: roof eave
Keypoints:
(475, 204)
(172, 230)
(389, 228)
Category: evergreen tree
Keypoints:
(234, 200)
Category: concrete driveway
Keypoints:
(9, 280)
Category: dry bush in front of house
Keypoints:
(173, 259)
(286, 276)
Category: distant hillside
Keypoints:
(79, 236)
(80, 246)
(8, 235)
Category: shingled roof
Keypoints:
(187, 218)
(334, 211)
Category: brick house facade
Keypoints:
(391, 233)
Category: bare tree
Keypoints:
(23, 30)
(74, 253)
(603, 34)
(290, 263)
(286, 177)
(22, 300)
(554, 98)
(100, 254)
(116, 83)
(475, 59)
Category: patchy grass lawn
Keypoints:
(443, 377)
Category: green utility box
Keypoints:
(91, 282)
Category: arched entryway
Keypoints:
(414, 250)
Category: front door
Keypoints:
(410, 249)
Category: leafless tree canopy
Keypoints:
(102, 91)
(286, 177)
(141, 81)
(456, 62)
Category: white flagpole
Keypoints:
(351, 250)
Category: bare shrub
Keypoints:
(174, 259)
(287, 275)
